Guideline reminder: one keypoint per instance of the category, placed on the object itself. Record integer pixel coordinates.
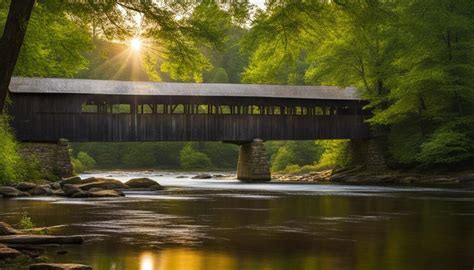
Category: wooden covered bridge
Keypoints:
(47, 109)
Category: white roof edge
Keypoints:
(112, 87)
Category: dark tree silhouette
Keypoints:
(13, 36)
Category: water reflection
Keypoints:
(147, 261)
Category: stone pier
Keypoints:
(366, 153)
(253, 164)
(52, 158)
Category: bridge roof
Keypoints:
(110, 87)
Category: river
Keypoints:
(225, 224)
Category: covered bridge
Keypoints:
(47, 109)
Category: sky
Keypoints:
(259, 3)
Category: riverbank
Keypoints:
(359, 176)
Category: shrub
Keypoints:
(78, 166)
(12, 166)
(26, 222)
(446, 147)
(86, 160)
(192, 159)
(292, 168)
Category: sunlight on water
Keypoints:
(147, 261)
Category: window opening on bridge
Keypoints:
(89, 108)
(225, 109)
(203, 109)
(146, 108)
(177, 109)
(121, 108)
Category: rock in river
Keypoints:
(6, 229)
(6, 252)
(71, 181)
(39, 191)
(70, 190)
(203, 176)
(102, 183)
(105, 193)
(8, 192)
(141, 183)
(56, 266)
(25, 186)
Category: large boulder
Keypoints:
(25, 186)
(71, 181)
(70, 190)
(7, 253)
(105, 193)
(9, 192)
(101, 183)
(155, 187)
(40, 191)
(6, 229)
(141, 183)
(202, 176)
(55, 185)
(80, 194)
(57, 266)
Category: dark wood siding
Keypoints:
(48, 117)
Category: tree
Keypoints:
(11, 42)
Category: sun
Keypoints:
(136, 44)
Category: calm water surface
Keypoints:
(224, 224)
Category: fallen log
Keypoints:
(26, 239)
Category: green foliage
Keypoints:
(138, 157)
(192, 159)
(334, 155)
(288, 153)
(14, 168)
(9, 157)
(86, 160)
(222, 155)
(282, 159)
(54, 45)
(446, 147)
(78, 166)
(292, 168)
(26, 222)
(412, 60)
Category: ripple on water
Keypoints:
(148, 227)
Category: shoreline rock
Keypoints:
(10, 192)
(8, 253)
(7, 229)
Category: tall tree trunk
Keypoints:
(12, 39)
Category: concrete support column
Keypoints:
(366, 153)
(253, 164)
(52, 158)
